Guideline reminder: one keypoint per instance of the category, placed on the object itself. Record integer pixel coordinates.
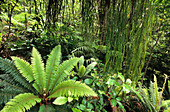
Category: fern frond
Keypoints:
(72, 88)
(38, 70)
(5, 96)
(7, 93)
(9, 68)
(60, 74)
(81, 62)
(9, 86)
(145, 96)
(10, 83)
(83, 50)
(156, 92)
(152, 93)
(52, 64)
(21, 103)
(24, 68)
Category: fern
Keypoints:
(24, 68)
(156, 95)
(9, 68)
(52, 64)
(151, 95)
(60, 74)
(21, 103)
(72, 88)
(47, 81)
(38, 70)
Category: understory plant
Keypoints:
(34, 87)
(153, 97)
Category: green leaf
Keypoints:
(112, 82)
(126, 88)
(38, 70)
(121, 77)
(82, 107)
(114, 102)
(120, 104)
(72, 88)
(76, 110)
(47, 108)
(89, 68)
(70, 99)
(165, 103)
(24, 68)
(81, 61)
(156, 92)
(90, 106)
(81, 71)
(118, 98)
(60, 100)
(88, 81)
(137, 93)
(52, 64)
(21, 103)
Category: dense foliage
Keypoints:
(120, 48)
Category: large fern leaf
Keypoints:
(24, 68)
(38, 70)
(8, 82)
(62, 71)
(10, 88)
(72, 88)
(21, 103)
(52, 64)
(9, 68)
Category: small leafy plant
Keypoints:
(39, 86)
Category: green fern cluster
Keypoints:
(152, 97)
(33, 84)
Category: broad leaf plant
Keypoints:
(26, 86)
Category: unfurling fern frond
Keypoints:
(21, 103)
(52, 64)
(72, 88)
(62, 71)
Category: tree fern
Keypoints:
(21, 103)
(72, 88)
